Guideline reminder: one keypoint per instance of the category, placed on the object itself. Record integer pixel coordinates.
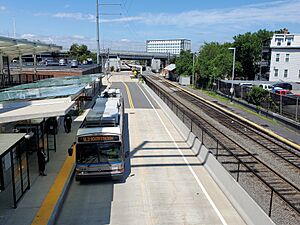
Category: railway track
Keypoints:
(288, 191)
(286, 153)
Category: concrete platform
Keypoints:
(165, 182)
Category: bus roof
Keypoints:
(99, 131)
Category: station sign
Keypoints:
(102, 138)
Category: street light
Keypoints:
(232, 78)
(193, 77)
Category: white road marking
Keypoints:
(185, 160)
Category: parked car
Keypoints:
(286, 86)
(283, 92)
(62, 62)
(246, 84)
(52, 63)
(74, 64)
(266, 86)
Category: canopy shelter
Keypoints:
(51, 82)
(12, 47)
(14, 169)
(38, 109)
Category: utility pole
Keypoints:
(232, 78)
(98, 34)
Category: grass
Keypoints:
(226, 100)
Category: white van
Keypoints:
(266, 86)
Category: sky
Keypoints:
(129, 23)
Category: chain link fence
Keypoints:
(288, 106)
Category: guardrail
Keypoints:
(217, 149)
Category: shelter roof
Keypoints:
(8, 140)
(38, 109)
(14, 47)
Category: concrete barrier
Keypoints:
(249, 210)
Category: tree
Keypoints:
(80, 53)
(248, 51)
(184, 63)
(214, 61)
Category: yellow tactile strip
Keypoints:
(45, 212)
(269, 132)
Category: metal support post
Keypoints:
(271, 203)
(238, 174)
(280, 106)
(194, 70)
(297, 105)
(217, 152)
(232, 78)
(98, 34)
(35, 69)
(13, 178)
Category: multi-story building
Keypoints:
(174, 46)
(285, 58)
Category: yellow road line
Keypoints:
(129, 95)
(271, 133)
(43, 215)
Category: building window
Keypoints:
(275, 72)
(286, 73)
(287, 57)
(277, 57)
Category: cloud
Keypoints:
(275, 12)
(67, 41)
(265, 12)
(2, 8)
(75, 16)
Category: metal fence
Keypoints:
(272, 202)
(288, 106)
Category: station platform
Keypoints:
(165, 183)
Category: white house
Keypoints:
(285, 58)
(173, 46)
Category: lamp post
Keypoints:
(232, 78)
(193, 77)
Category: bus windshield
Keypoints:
(93, 153)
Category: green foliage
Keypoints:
(257, 95)
(184, 63)
(248, 51)
(214, 61)
(112, 69)
(81, 53)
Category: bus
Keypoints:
(99, 146)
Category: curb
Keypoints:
(60, 201)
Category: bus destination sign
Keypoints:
(98, 138)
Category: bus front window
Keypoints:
(93, 153)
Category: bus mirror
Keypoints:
(70, 151)
(126, 154)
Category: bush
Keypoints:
(257, 95)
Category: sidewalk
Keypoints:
(276, 127)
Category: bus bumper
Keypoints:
(86, 176)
